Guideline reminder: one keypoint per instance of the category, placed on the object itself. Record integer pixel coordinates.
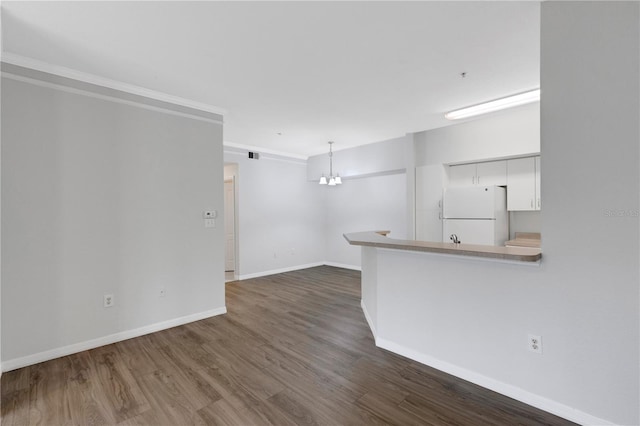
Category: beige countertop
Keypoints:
(377, 239)
(525, 239)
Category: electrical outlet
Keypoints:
(535, 343)
(108, 300)
(163, 292)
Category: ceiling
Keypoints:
(293, 75)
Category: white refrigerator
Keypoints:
(476, 214)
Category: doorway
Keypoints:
(229, 230)
(231, 222)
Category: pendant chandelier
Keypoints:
(333, 180)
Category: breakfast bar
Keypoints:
(379, 239)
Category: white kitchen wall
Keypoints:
(472, 317)
(280, 214)
(524, 222)
(103, 197)
(511, 132)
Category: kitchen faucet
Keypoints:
(454, 238)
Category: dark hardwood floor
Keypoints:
(293, 349)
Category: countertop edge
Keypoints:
(376, 239)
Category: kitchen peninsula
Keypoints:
(436, 303)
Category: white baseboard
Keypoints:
(344, 266)
(15, 363)
(279, 271)
(368, 318)
(511, 391)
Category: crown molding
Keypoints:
(23, 61)
(137, 103)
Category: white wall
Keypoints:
(590, 82)
(524, 222)
(374, 195)
(280, 214)
(287, 221)
(472, 317)
(372, 159)
(365, 204)
(103, 197)
(512, 132)
(1, 50)
(369, 287)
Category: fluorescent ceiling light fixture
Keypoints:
(497, 105)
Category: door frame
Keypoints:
(236, 260)
(233, 231)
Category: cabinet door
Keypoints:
(429, 183)
(491, 173)
(538, 192)
(462, 175)
(521, 184)
(429, 225)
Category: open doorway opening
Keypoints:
(230, 223)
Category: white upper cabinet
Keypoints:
(484, 174)
(462, 175)
(523, 184)
(492, 173)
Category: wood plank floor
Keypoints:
(293, 349)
